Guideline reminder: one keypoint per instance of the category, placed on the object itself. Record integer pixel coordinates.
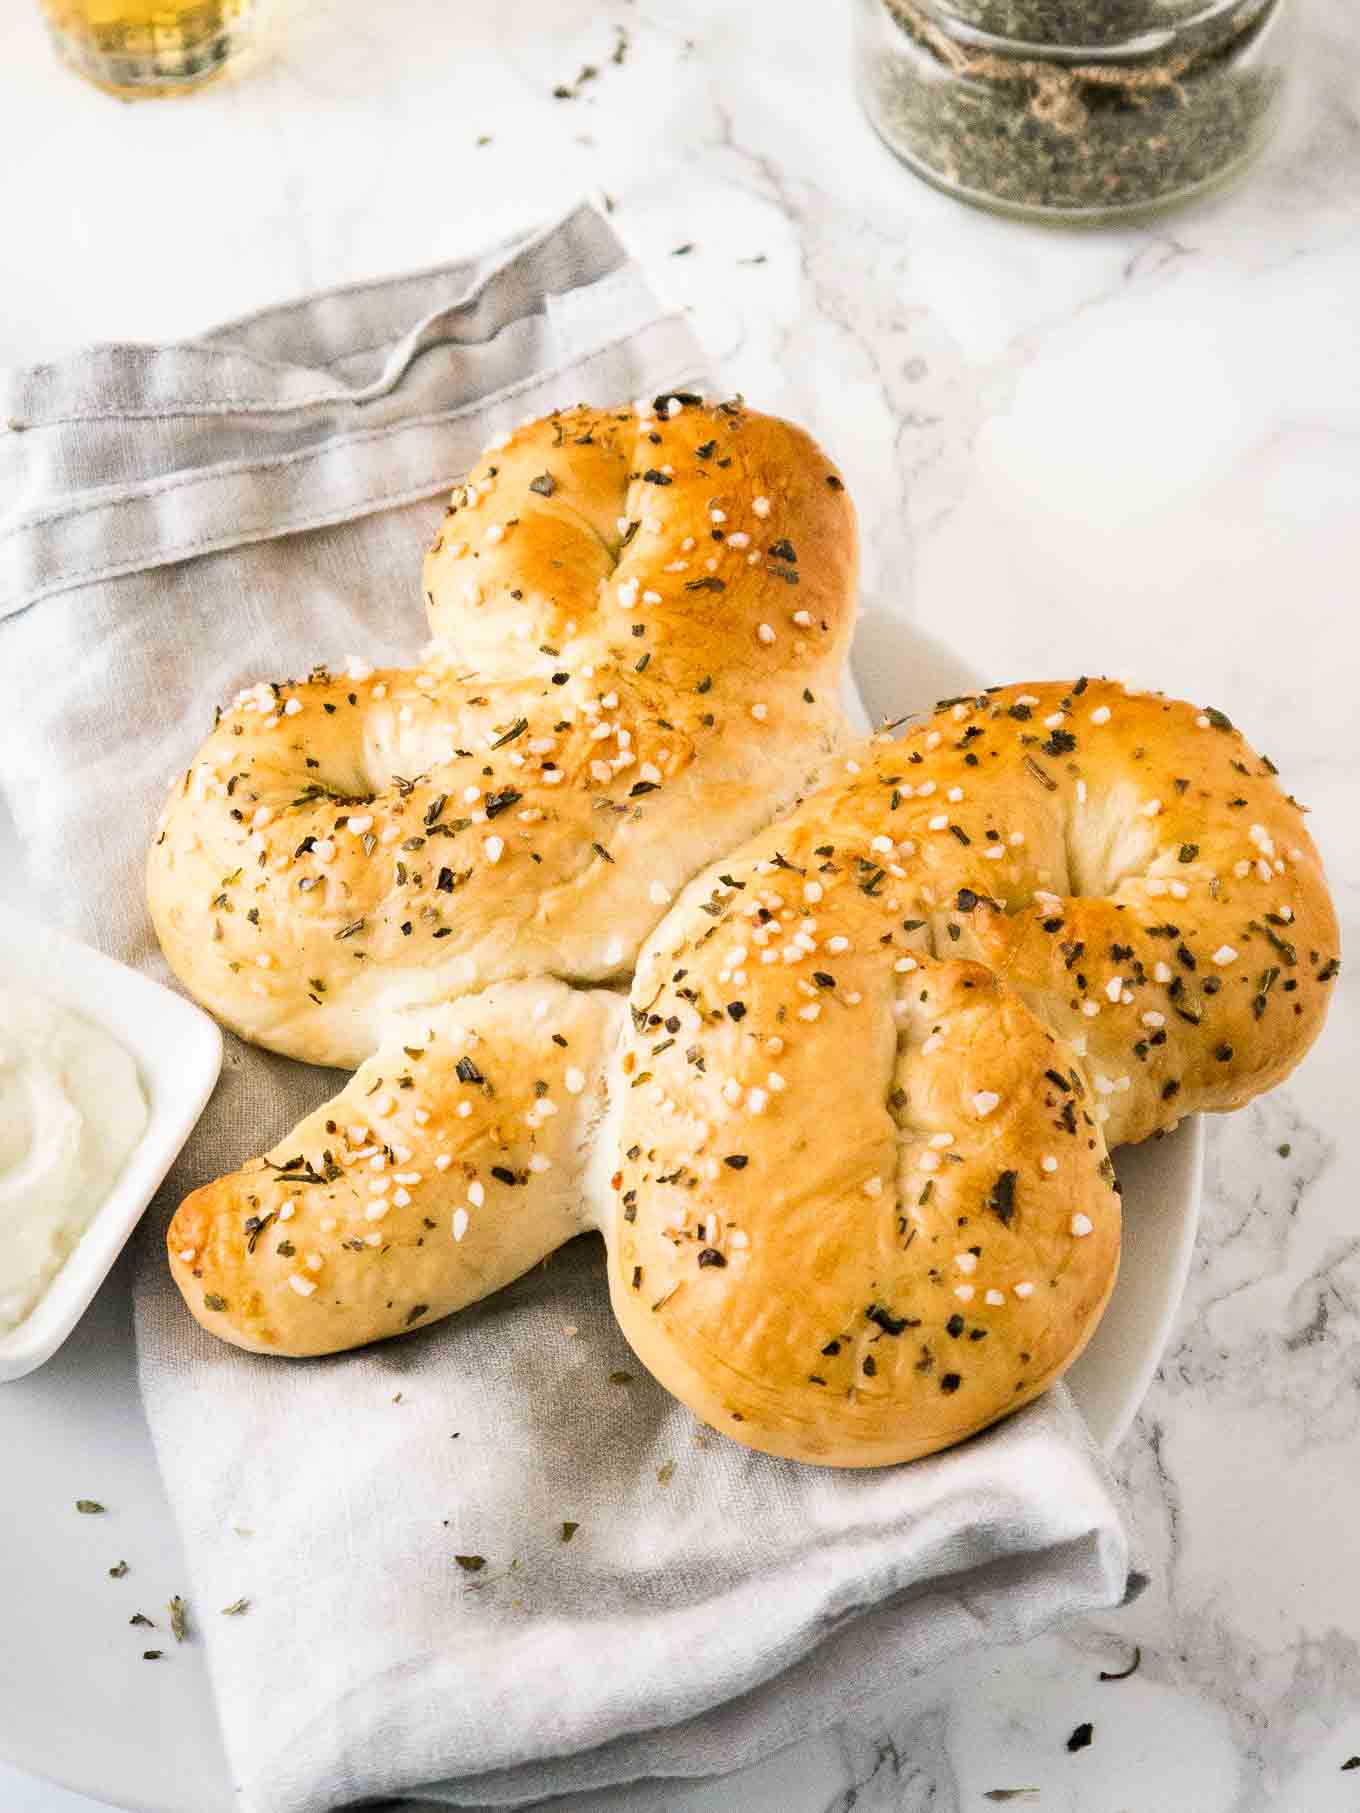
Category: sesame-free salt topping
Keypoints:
(1082, 1225)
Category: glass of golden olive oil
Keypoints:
(136, 48)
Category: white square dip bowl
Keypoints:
(178, 1053)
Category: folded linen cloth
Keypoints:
(492, 1561)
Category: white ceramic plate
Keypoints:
(79, 1706)
(178, 1053)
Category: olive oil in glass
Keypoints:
(136, 48)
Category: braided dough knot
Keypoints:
(848, 1136)
(639, 626)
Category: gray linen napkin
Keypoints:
(178, 521)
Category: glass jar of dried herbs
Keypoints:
(1079, 110)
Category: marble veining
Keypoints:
(1130, 451)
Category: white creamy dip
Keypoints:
(71, 1110)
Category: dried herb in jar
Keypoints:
(1067, 130)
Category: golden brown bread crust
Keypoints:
(850, 1148)
(639, 629)
(451, 1162)
(861, 1265)
(856, 1188)
(866, 1204)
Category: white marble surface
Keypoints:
(1132, 452)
